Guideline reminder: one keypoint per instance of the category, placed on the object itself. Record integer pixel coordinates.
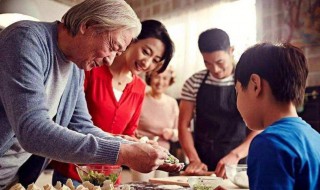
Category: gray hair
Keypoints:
(105, 15)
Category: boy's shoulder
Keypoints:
(289, 132)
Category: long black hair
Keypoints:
(155, 29)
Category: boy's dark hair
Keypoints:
(283, 66)
(155, 29)
(213, 40)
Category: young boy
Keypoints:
(270, 83)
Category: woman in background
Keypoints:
(159, 116)
(115, 94)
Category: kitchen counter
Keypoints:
(178, 182)
(147, 185)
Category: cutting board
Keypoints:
(183, 181)
(202, 173)
(174, 180)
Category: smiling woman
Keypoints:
(115, 93)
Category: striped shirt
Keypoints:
(192, 84)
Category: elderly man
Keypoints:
(42, 105)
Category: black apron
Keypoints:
(219, 127)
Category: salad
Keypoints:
(97, 178)
(171, 159)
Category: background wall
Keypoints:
(50, 10)
(277, 20)
(297, 21)
(44, 10)
(291, 20)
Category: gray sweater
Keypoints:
(28, 52)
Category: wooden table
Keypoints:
(182, 181)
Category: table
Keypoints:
(164, 184)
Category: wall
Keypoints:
(44, 10)
(285, 20)
(50, 10)
(152, 8)
(274, 23)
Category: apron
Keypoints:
(219, 127)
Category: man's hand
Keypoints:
(171, 168)
(230, 158)
(142, 157)
(167, 133)
(220, 188)
(128, 138)
(196, 167)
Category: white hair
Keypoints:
(105, 15)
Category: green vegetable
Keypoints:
(97, 178)
(202, 187)
(171, 159)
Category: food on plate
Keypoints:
(204, 182)
(97, 174)
(107, 185)
(17, 186)
(203, 187)
(170, 187)
(97, 178)
(144, 139)
(50, 187)
(171, 159)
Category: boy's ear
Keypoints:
(256, 83)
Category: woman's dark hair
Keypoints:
(213, 40)
(283, 66)
(155, 29)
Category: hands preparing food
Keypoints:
(171, 163)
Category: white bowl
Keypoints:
(238, 175)
(204, 182)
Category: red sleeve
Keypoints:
(133, 124)
(86, 79)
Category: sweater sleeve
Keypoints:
(23, 62)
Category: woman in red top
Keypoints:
(115, 94)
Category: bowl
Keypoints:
(97, 173)
(238, 175)
(204, 182)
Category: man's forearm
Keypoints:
(242, 150)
